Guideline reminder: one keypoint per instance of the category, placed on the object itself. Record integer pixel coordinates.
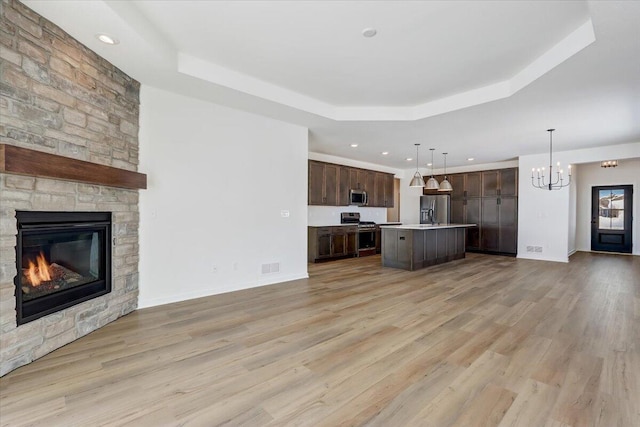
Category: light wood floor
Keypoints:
(482, 341)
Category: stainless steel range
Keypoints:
(366, 232)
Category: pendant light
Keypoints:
(432, 183)
(445, 185)
(417, 180)
(559, 181)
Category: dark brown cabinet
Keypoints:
(316, 183)
(490, 183)
(457, 182)
(389, 195)
(332, 242)
(472, 210)
(344, 187)
(383, 191)
(490, 224)
(329, 185)
(472, 184)
(323, 183)
(489, 199)
(502, 182)
(378, 197)
(499, 224)
(508, 182)
(508, 240)
(370, 186)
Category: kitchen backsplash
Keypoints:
(330, 215)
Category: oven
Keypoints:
(366, 232)
(366, 239)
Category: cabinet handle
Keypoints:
(401, 237)
(499, 201)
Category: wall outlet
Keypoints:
(284, 214)
(538, 248)
(266, 268)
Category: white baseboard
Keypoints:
(209, 291)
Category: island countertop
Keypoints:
(427, 226)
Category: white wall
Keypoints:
(543, 215)
(330, 215)
(591, 174)
(218, 180)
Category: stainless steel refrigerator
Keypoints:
(435, 209)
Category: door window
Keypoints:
(611, 209)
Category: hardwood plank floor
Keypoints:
(483, 341)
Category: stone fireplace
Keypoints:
(60, 99)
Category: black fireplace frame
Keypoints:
(28, 221)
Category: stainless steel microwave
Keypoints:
(358, 198)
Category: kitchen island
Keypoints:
(415, 246)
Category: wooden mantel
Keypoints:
(24, 161)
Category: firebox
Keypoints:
(62, 259)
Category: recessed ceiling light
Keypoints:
(470, 159)
(384, 153)
(409, 159)
(429, 164)
(354, 145)
(369, 32)
(107, 39)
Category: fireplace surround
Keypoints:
(69, 135)
(62, 259)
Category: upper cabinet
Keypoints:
(464, 185)
(509, 182)
(457, 182)
(329, 185)
(344, 187)
(323, 183)
(501, 182)
(473, 184)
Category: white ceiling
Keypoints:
(480, 79)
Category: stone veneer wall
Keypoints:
(59, 97)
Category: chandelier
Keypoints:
(539, 173)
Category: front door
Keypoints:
(611, 218)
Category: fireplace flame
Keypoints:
(39, 273)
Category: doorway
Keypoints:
(611, 214)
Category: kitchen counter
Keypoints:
(426, 226)
(334, 225)
(415, 246)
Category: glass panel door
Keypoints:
(611, 218)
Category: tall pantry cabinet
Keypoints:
(489, 199)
